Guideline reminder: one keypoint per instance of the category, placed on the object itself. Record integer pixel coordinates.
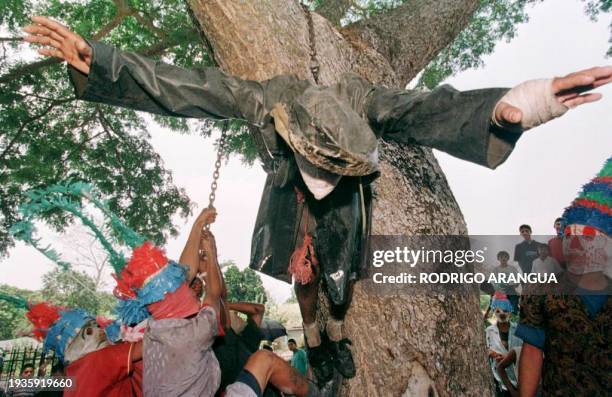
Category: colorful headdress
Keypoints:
(141, 281)
(500, 300)
(57, 326)
(593, 206)
(146, 279)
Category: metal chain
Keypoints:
(220, 154)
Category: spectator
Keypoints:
(545, 264)
(526, 251)
(26, 373)
(501, 341)
(555, 244)
(504, 268)
(57, 370)
(299, 360)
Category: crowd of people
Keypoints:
(184, 345)
(319, 147)
(554, 339)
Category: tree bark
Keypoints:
(412, 35)
(404, 345)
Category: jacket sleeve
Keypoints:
(458, 123)
(133, 81)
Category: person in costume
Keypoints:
(154, 293)
(501, 341)
(566, 327)
(178, 356)
(97, 367)
(319, 147)
(89, 347)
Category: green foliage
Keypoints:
(596, 7)
(494, 21)
(12, 317)
(485, 301)
(48, 137)
(72, 289)
(243, 285)
(76, 289)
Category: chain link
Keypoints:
(220, 154)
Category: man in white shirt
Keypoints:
(544, 263)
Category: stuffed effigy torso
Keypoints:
(332, 128)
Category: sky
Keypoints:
(541, 177)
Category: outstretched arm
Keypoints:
(481, 126)
(101, 73)
(253, 310)
(209, 265)
(458, 123)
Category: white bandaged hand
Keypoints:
(537, 102)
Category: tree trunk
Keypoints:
(403, 345)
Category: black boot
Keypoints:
(343, 358)
(321, 363)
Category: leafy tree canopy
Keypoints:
(76, 289)
(69, 288)
(243, 285)
(12, 318)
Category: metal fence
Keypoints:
(12, 361)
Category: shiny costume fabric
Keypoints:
(335, 128)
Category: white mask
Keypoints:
(586, 249)
(89, 339)
(501, 316)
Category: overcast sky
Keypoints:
(540, 178)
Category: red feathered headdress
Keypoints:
(147, 260)
(42, 316)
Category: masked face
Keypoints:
(501, 315)
(586, 249)
(89, 339)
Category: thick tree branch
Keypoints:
(147, 22)
(334, 10)
(411, 35)
(27, 69)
